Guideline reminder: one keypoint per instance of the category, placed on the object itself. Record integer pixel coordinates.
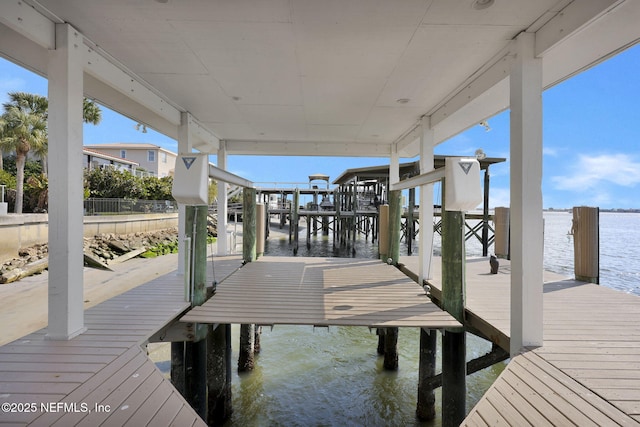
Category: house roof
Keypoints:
(96, 153)
(130, 146)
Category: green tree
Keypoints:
(23, 128)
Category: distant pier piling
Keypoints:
(501, 235)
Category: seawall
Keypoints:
(21, 231)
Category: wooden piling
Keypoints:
(390, 349)
(249, 224)
(383, 240)
(454, 368)
(426, 407)
(454, 375)
(219, 374)
(501, 239)
(586, 243)
(246, 354)
(196, 352)
(177, 367)
(261, 229)
(218, 371)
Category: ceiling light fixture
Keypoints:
(482, 4)
(403, 100)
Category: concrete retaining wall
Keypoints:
(21, 231)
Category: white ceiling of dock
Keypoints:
(330, 77)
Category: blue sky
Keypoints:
(591, 139)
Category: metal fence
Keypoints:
(94, 206)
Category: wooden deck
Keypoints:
(321, 291)
(587, 372)
(103, 376)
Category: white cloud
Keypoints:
(499, 197)
(592, 171)
(549, 151)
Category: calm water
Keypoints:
(333, 377)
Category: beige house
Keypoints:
(150, 157)
(94, 159)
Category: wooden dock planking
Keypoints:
(106, 365)
(587, 372)
(320, 291)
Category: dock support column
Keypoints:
(410, 220)
(247, 332)
(425, 249)
(395, 216)
(222, 202)
(66, 308)
(177, 367)
(261, 229)
(426, 408)
(454, 368)
(185, 145)
(196, 364)
(219, 374)
(526, 197)
(383, 241)
(501, 234)
(390, 349)
(294, 221)
(586, 243)
(454, 373)
(485, 214)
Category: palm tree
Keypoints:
(25, 129)
(22, 131)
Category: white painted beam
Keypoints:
(307, 148)
(494, 72)
(203, 139)
(66, 261)
(569, 21)
(104, 69)
(27, 21)
(526, 198)
(602, 38)
(185, 145)
(417, 181)
(409, 142)
(222, 202)
(425, 248)
(228, 177)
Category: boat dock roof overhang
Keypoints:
(321, 292)
(381, 173)
(271, 77)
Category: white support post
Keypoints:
(222, 202)
(66, 311)
(425, 249)
(185, 145)
(526, 197)
(394, 166)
